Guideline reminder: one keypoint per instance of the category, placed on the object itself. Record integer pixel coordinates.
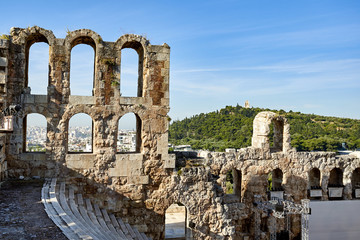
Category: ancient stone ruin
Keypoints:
(140, 186)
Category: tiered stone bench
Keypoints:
(78, 218)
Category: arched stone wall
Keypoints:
(261, 131)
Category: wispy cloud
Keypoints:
(298, 67)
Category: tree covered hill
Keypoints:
(231, 127)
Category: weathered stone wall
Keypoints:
(127, 178)
(140, 186)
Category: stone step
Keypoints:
(79, 218)
(56, 205)
(93, 230)
(64, 204)
(51, 212)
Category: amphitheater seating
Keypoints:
(79, 218)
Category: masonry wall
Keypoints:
(140, 186)
(127, 178)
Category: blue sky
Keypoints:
(292, 55)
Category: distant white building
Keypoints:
(186, 148)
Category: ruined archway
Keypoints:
(176, 221)
(336, 178)
(264, 124)
(314, 178)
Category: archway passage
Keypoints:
(336, 178)
(314, 178)
(175, 221)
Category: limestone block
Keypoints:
(138, 180)
(127, 165)
(3, 62)
(80, 161)
(162, 56)
(170, 160)
(117, 172)
(40, 99)
(315, 193)
(165, 101)
(27, 156)
(74, 100)
(335, 192)
(2, 78)
(39, 156)
(162, 146)
(131, 100)
(29, 98)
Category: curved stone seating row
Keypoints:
(78, 218)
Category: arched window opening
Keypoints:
(276, 135)
(129, 130)
(176, 222)
(314, 178)
(233, 182)
(38, 68)
(336, 178)
(82, 66)
(131, 70)
(80, 133)
(34, 126)
(275, 179)
(355, 182)
(275, 187)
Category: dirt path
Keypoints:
(22, 215)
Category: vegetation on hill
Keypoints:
(231, 127)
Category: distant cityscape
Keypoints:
(79, 139)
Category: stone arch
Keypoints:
(261, 131)
(30, 36)
(141, 46)
(336, 178)
(87, 37)
(138, 130)
(41, 136)
(82, 36)
(314, 178)
(86, 144)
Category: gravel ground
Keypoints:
(22, 215)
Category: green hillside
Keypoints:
(231, 127)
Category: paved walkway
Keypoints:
(22, 215)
